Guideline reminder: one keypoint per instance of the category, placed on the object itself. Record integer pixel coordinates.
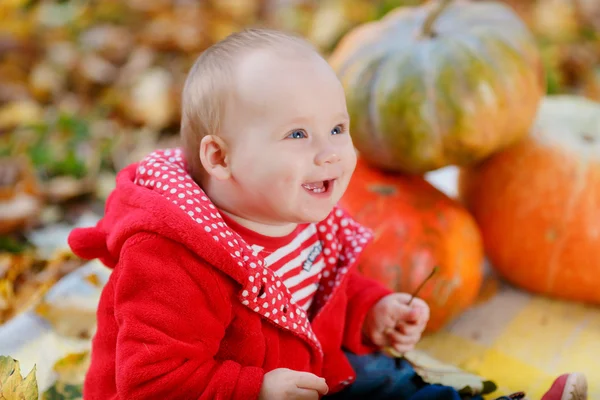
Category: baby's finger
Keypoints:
(409, 329)
(398, 311)
(414, 315)
(423, 309)
(396, 337)
(306, 394)
(381, 338)
(306, 380)
(403, 348)
(403, 298)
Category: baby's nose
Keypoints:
(327, 156)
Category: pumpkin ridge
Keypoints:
(428, 79)
(454, 84)
(515, 47)
(515, 62)
(492, 65)
(487, 74)
(580, 186)
(359, 77)
(373, 120)
(373, 52)
(354, 47)
(399, 110)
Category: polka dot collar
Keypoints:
(342, 238)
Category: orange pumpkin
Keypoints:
(538, 203)
(416, 228)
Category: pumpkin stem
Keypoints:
(433, 16)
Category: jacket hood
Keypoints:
(158, 196)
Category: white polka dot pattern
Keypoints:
(164, 171)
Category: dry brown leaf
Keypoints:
(25, 279)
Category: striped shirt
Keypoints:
(296, 258)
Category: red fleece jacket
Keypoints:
(190, 312)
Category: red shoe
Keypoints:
(568, 387)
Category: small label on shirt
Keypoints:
(312, 256)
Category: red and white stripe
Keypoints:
(287, 263)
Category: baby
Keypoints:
(234, 269)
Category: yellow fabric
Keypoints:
(522, 342)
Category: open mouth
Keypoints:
(318, 187)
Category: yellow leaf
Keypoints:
(94, 280)
(68, 320)
(7, 367)
(12, 384)
(19, 112)
(29, 385)
(72, 368)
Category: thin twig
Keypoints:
(390, 350)
(416, 292)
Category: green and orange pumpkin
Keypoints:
(446, 83)
(416, 228)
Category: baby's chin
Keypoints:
(313, 216)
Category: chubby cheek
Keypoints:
(275, 175)
(348, 160)
(285, 183)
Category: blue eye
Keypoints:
(337, 130)
(298, 134)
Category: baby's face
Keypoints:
(287, 129)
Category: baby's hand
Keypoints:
(392, 322)
(287, 384)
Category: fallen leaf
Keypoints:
(25, 278)
(70, 371)
(68, 321)
(150, 100)
(12, 384)
(18, 113)
(94, 280)
(436, 372)
(72, 368)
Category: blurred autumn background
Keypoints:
(89, 86)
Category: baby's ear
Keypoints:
(213, 155)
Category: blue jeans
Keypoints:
(379, 377)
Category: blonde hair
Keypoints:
(209, 80)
